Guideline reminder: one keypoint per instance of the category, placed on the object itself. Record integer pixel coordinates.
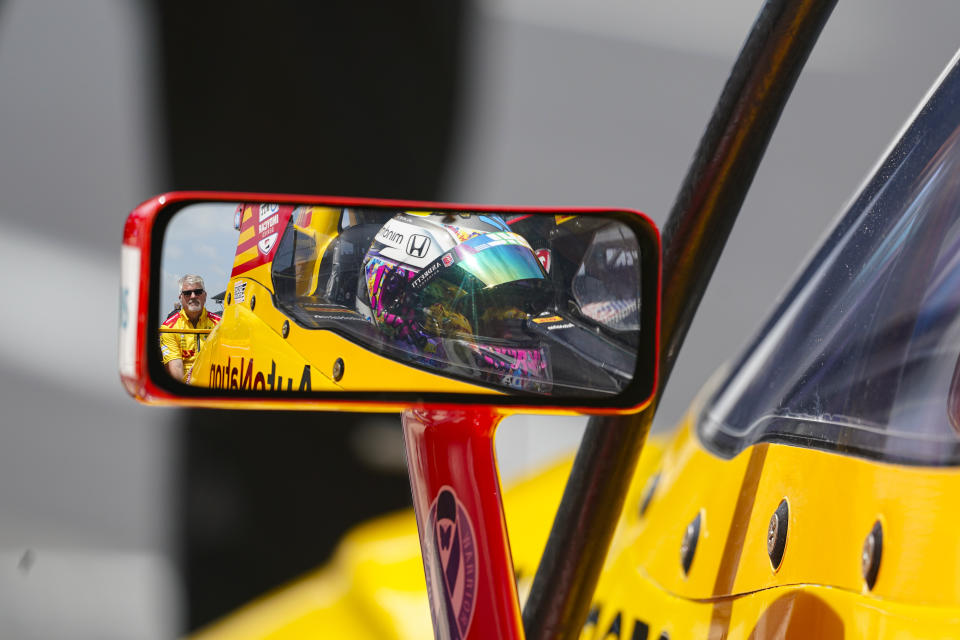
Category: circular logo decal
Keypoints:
(452, 564)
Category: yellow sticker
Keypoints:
(550, 319)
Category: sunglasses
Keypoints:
(191, 292)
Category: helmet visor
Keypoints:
(492, 286)
(499, 258)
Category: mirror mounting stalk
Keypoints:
(460, 519)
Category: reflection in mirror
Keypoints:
(317, 298)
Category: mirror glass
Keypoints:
(266, 297)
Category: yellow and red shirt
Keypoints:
(185, 346)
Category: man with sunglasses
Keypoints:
(179, 350)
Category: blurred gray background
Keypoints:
(565, 102)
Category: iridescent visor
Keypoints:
(498, 258)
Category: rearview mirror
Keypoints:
(342, 303)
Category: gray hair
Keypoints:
(191, 278)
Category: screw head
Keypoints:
(866, 556)
(772, 531)
(648, 492)
(871, 555)
(338, 369)
(688, 538)
(777, 534)
(285, 330)
(689, 545)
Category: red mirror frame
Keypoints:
(140, 263)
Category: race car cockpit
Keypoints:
(537, 303)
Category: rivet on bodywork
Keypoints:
(253, 304)
(689, 545)
(777, 534)
(285, 330)
(338, 369)
(648, 492)
(871, 555)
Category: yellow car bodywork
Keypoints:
(257, 346)
(818, 591)
(374, 587)
(247, 350)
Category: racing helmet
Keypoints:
(453, 292)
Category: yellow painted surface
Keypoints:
(257, 334)
(375, 588)
(834, 501)
(245, 256)
(800, 612)
(731, 592)
(247, 233)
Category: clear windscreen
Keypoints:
(862, 354)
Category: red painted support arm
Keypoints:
(463, 534)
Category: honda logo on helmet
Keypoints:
(418, 245)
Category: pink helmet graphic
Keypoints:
(453, 292)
